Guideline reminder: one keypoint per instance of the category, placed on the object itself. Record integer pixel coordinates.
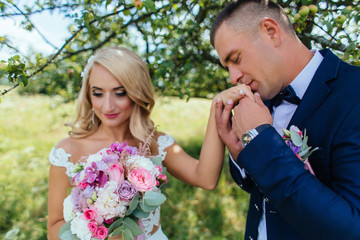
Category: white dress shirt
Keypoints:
(283, 113)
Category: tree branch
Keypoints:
(41, 35)
(4, 15)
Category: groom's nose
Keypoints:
(235, 75)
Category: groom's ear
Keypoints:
(272, 31)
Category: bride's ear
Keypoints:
(272, 31)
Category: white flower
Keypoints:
(68, 212)
(94, 158)
(108, 202)
(86, 70)
(79, 227)
(143, 162)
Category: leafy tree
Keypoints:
(171, 35)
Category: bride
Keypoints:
(114, 105)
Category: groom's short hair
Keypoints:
(245, 15)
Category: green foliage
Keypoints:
(31, 125)
(172, 36)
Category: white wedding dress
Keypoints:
(60, 158)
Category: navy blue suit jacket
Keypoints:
(298, 204)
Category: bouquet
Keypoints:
(110, 192)
(297, 141)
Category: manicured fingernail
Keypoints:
(229, 101)
(241, 92)
(218, 100)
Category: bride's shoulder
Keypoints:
(66, 151)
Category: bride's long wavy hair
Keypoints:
(131, 71)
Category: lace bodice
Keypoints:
(60, 158)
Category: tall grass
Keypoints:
(31, 125)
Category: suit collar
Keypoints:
(318, 89)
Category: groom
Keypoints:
(256, 42)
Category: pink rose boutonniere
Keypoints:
(297, 141)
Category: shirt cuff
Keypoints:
(241, 170)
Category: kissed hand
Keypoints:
(249, 113)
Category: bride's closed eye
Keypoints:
(121, 92)
(98, 92)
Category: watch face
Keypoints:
(246, 138)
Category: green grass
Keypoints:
(31, 125)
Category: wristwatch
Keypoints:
(252, 133)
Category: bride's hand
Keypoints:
(235, 93)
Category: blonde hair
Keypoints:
(131, 71)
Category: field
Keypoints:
(31, 125)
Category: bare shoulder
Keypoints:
(72, 146)
(68, 144)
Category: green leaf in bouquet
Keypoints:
(120, 230)
(65, 232)
(154, 198)
(157, 160)
(132, 225)
(295, 138)
(116, 224)
(133, 204)
(145, 207)
(139, 213)
(128, 235)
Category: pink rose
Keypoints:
(102, 232)
(116, 173)
(92, 228)
(109, 221)
(142, 179)
(89, 214)
(83, 185)
(159, 168)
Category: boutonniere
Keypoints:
(297, 141)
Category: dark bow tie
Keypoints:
(288, 94)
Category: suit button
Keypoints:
(266, 199)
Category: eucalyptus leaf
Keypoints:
(139, 213)
(132, 225)
(147, 208)
(128, 234)
(154, 198)
(133, 204)
(64, 228)
(116, 224)
(157, 160)
(295, 138)
(120, 230)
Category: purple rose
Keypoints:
(126, 190)
(89, 191)
(78, 199)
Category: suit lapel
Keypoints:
(318, 89)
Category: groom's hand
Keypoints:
(250, 114)
(224, 128)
